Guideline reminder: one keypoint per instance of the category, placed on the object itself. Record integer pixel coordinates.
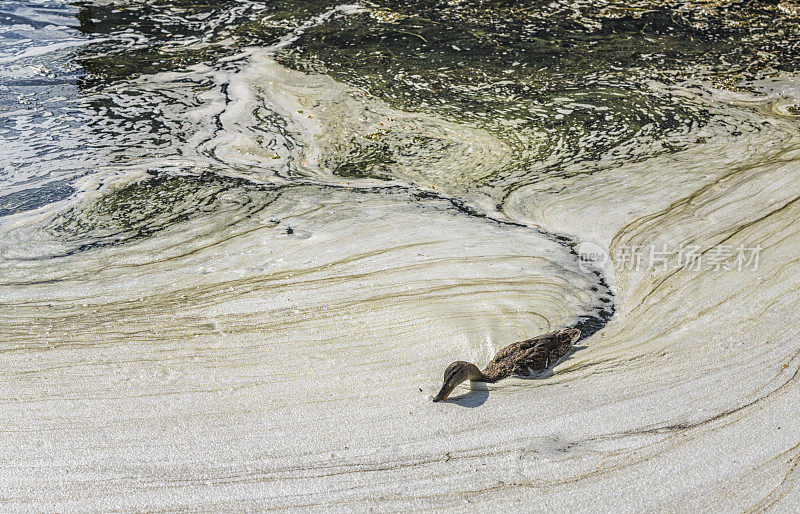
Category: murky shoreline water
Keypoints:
(239, 242)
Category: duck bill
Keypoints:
(444, 393)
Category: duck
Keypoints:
(517, 358)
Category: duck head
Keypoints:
(456, 373)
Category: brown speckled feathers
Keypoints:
(536, 353)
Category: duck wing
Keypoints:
(535, 353)
(546, 342)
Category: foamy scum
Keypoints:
(245, 320)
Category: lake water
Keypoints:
(241, 241)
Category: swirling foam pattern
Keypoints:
(249, 300)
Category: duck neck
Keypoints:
(487, 375)
(490, 375)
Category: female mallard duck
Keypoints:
(515, 359)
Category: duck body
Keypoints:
(531, 354)
(518, 358)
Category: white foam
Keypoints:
(226, 364)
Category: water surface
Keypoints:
(240, 241)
